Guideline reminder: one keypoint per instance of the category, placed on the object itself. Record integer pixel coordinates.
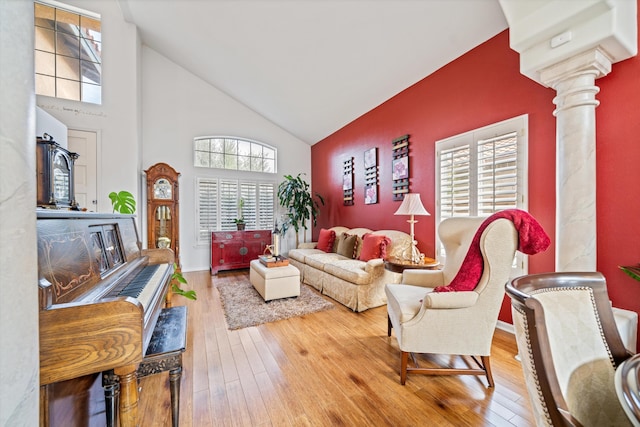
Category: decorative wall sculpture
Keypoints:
(400, 167)
(347, 181)
(371, 176)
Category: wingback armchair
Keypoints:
(453, 323)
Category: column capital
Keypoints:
(594, 61)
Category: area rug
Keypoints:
(243, 306)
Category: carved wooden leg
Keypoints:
(168, 297)
(174, 386)
(44, 406)
(487, 369)
(403, 367)
(128, 395)
(389, 325)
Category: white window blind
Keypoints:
(218, 202)
(207, 212)
(250, 211)
(266, 198)
(497, 174)
(228, 203)
(455, 182)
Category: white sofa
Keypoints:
(356, 284)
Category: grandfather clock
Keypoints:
(162, 208)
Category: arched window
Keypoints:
(241, 154)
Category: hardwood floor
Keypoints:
(330, 368)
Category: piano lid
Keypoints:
(77, 250)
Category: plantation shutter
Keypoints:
(248, 194)
(266, 208)
(228, 204)
(207, 209)
(455, 196)
(497, 174)
(218, 202)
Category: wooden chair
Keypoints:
(569, 347)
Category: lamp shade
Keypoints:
(411, 205)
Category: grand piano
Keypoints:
(100, 296)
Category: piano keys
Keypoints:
(85, 260)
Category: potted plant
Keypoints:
(295, 196)
(240, 224)
(176, 279)
(632, 271)
(123, 202)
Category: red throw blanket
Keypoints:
(531, 239)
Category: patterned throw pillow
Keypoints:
(326, 239)
(374, 246)
(347, 245)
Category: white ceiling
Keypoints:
(313, 66)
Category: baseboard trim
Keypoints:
(507, 327)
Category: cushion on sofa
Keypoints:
(301, 254)
(350, 270)
(326, 239)
(374, 246)
(347, 244)
(319, 260)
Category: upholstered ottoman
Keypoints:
(275, 282)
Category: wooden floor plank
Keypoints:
(334, 367)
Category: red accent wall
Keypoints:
(482, 87)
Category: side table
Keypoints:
(399, 265)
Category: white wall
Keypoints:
(178, 106)
(19, 356)
(151, 111)
(116, 121)
(46, 123)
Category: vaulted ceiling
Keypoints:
(313, 66)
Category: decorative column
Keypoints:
(19, 355)
(574, 81)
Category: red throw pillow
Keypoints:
(374, 246)
(326, 239)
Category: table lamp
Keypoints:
(412, 205)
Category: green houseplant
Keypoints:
(177, 278)
(632, 271)
(123, 202)
(294, 195)
(240, 223)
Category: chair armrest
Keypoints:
(307, 245)
(424, 278)
(159, 255)
(374, 264)
(450, 299)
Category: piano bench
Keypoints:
(164, 353)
